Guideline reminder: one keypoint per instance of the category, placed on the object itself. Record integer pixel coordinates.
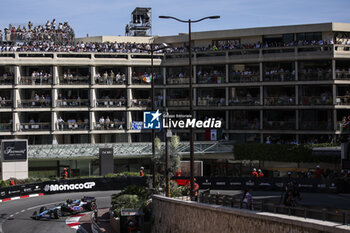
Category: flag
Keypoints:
(147, 78)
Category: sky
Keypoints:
(109, 17)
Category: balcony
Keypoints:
(31, 103)
(118, 80)
(179, 81)
(42, 80)
(178, 102)
(210, 101)
(110, 103)
(5, 127)
(45, 126)
(315, 125)
(316, 100)
(344, 75)
(72, 125)
(75, 80)
(244, 78)
(5, 103)
(343, 100)
(6, 80)
(113, 125)
(279, 125)
(140, 80)
(202, 79)
(315, 75)
(245, 125)
(72, 103)
(249, 101)
(282, 100)
(343, 126)
(141, 102)
(278, 77)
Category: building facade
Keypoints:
(287, 84)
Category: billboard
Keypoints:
(14, 150)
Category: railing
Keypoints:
(110, 80)
(177, 80)
(344, 127)
(178, 102)
(210, 79)
(316, 100)
(316, 125)
(279, 125)
(343, 100)
(244, 101)
(341, 48)
(5, 127)
(279, 76)
(42, 80)
(339, 216)
(72, 103)
(5, 103)
(75, 80)
(244, 78)
(6, 80)
(140, 81)
(41, 103)
(113, 125)
(106, 103)
(141, 102)
(315, 75)
(72, 125)
(211, 101)
(342, 74)
(33, 126)
(243, 124)
(282, 100)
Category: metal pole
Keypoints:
(167, 187)
(191, 113)
(153, 132)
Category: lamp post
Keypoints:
(190, 91)
(152, 50)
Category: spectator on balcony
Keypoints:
(98, 78)
(60, 122)
(31, 121)
(101, 121)
(70, 78)
(111, 77)
(118, 78)
(107, 122)
(105, 78)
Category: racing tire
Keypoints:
(42, 209)
(93, 206)
(34, 216)
(56, 214)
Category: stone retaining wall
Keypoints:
(177, 216)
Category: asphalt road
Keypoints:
(15, 215)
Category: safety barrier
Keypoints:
(74, 185)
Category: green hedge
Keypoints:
(281, 152)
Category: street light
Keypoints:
(190, 87)
(152, 50)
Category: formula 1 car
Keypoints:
(67, 208)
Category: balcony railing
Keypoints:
(31, 103)
(282, 100)
(141, 103)
(110, 80)
(6, 80)
(113, 125)
(316, 75)
(343, 126)
(279, 76)
(244, 101)
(5, 103)
(316, 100)
(34, 126)
(211, 101)
(72, 125)
(342, 74)
(316, 125)
(210, 79)
(343, 100)
(5, 127)
(178, 102)
(244, 78)
(110, 103)
(28, 80)
(279, 125)
(177, 81)
(72, 103)
(140, 81)
(244, 124)
(75, 80)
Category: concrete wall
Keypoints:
(171, 215)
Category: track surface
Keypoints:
(15, 215)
